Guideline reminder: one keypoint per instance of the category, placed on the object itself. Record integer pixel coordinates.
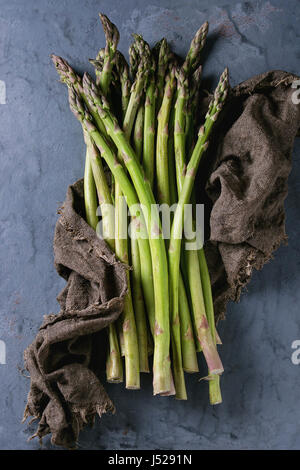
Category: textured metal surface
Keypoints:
(42, 151)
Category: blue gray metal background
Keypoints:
(41, 151)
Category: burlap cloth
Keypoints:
(245, 172)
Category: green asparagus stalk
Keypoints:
(90, 194)
(120, 336)
(98, 64)
(192, 60)
(183, 347)
(191, 66)
(123, 73)
(114, 367)
(103, 193)
(198, 294)
(112, 38)
(162, 161)
(215, 396)
(179, 130)
(191, 110)
(140, 47)
(138, 132)
(142, 50)
(171, 159)
(131, 348)
(189, 356)
(134, 60)
(163, 194)
(139, 306)
(161, 366)
(189, 262)
(163, 60)
(137, 294)
(149, 128)
(202, 327)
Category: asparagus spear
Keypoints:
(138, 49)
(138, 298)
(114, 368)
(133, 60)
(191, 109)
(139, 306)
(98, 63)
(199, 291)
(123, 73)
(163, 188)
(163, 195)
(90, 194)
(149, 127)
(171, 159)
(129, 330)
(179, 130)
(142, 51)
(203, 332)
(189, 262)
(131, 349)
(162, 163)
(192, 60)
(103, 193)
(136, 277)
(161, 366)
(202, 293)
(163, 60)
(112, 38)
(189, 356)
(138, 132)
(215, 396)
(189, 67)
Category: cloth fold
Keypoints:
(248, 181)
(64, 360)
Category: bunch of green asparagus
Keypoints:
(143, 148)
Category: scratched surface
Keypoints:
(41, 152)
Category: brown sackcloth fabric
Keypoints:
(246, 170)
(63, 361)
(251, 159)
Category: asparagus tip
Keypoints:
(111, 32)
